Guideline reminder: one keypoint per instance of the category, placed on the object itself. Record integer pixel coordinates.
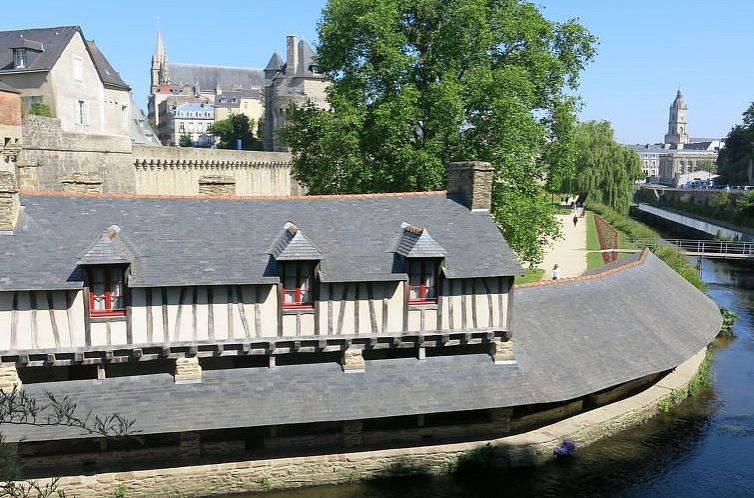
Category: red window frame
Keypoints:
(426, 270)
(301, 275)
(107, 293)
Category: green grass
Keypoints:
(532, 275)
(592, 239)
(593, 260)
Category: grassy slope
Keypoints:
(532, 275)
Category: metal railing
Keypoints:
(706, 248)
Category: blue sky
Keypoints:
(646, 50)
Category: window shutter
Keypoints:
(86, 113)
(77, 112)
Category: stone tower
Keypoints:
(160, 74)
(678, 133)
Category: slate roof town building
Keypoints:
(257, 93)
(272, 326)
(60, 68)
(676, 160)
(191, 118)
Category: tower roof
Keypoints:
(275, 63)
(160, 47)
(679, 102)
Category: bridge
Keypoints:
(721, 249)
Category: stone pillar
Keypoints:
(501, 420)
(10, 205)
(353, 433)
(28, 176)
(188, 371)
(9, 379)
(190, 446)
(502, 352)
(353, 361)
(472, 180)
(82, 182)
(217, 185)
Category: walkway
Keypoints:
(569, 252)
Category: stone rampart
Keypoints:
(51, 155)
(530, 448)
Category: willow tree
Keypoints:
(606, 171)
(420, 83)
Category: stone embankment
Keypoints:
(530, 448)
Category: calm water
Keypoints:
(704, 447)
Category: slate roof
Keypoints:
(198, 241)
(416, 242)
(570, 339)
(52, 42)
(275, 63)
(109, 248)
(210, 77)
(293, 245)
(4, 87)
(107, 73)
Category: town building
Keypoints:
(680, 158)
(238, 330)
(59, 68)
(257, 93)
(191, 119)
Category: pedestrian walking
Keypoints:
(555, 272)
(575, 219)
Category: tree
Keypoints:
(235, 127)
(735, 159)
(185, 140)
(706, 165)
(606, 171)
(419, 84)
(17, 408)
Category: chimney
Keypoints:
(292, 62)
(472, 180)
(10, 206)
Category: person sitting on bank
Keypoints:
(555, 272)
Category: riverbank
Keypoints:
(530, 448)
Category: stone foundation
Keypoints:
(188, 371)
(9, 380)
(82, 182)
(531, 448)
(353, 361)
(217, 185)
(9, 201)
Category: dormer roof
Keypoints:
(416, 242)
(293, 245)
(108, 249)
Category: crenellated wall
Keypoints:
(51, 154)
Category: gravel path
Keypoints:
(569, 252)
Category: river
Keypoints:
(703, 447)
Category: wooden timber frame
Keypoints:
(261, 347)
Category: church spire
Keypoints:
(159, 51)
(160, 74)
(678, 133)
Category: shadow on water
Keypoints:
(700, 448)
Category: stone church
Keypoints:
(261, 94)
(680, 157)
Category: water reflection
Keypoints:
(702, 447)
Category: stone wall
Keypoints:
(51, 155)
(10, 109)
(531, 448)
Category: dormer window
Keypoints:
(422, 281)
(297, 278)
(106, 291)
(19, 58)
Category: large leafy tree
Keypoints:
(734, 162)
(235, 127)
(420, 83)
(606, 171)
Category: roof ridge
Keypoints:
(591, 276)
(42, 193)
(215, 65)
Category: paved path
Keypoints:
(569, 252)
